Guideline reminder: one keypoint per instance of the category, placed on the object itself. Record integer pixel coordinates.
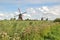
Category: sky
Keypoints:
(35, 9)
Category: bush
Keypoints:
(57, 20)
(26, 19)
(42, 19)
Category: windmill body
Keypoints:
(20, 17)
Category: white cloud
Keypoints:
(27, 15)
(45, 8)
(55, 10)
(1, 14)
(30, 10)
(5, 15)
(45, 11)
(50, 10)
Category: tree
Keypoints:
(46, 19)
(57, 20)
(42, 19)
(13, 19)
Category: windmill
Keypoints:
(20, 15)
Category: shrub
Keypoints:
(46, 19)
(57, 20)
(13, 19)
(27, 19)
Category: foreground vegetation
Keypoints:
(29, 30)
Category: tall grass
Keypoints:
(29, 30)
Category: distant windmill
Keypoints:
(20, 15)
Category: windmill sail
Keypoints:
(19, 11)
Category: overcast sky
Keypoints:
(35, 8)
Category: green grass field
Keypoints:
(29, 30)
